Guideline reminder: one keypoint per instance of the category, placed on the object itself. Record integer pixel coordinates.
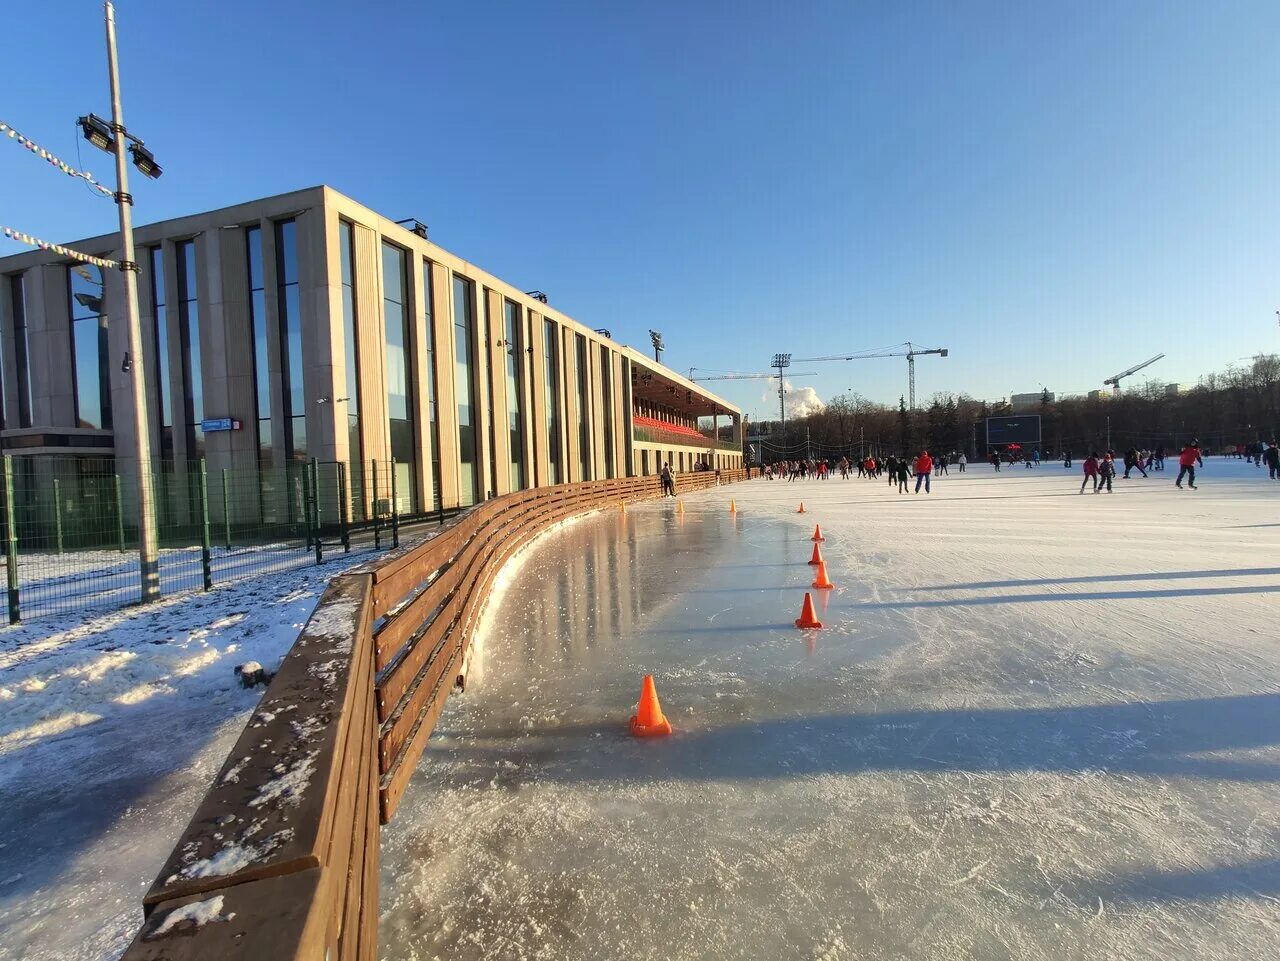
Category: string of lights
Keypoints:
(30, 241)
(45, 155)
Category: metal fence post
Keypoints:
(395, 508)
(11, 542)
(315, 507)
(57, 513)
(119, 513)
(373, 482)
(206, 561)
(306, 499)
(226, 508)
(343, 507)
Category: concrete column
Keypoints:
(496, 350)
(540, 461)
(481, 323)
(375, 429)
(599, 410)
(8, 356)
(323, 364)
(53, 400)
(572, 414)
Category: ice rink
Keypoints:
(1037, 725)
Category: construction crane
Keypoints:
(782, 384)
(911, 353)
(1114, 379)
(743, 376)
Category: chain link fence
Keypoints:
(70, 525)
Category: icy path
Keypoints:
(1038, 725)
(111, 728)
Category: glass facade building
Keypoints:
(306, 326)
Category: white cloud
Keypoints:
(801, 401)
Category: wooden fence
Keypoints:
(281, 858)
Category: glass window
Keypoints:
(551, 334)
(160, 343)
(606, 395)
(21, 352)
(492, 484)
(584, 408)
(512, 341)
(261, 354)
(189, 326)
(351, 349)
(91, 379)
(433, 419)
(295, 407)
(464, 352)
(395, 315)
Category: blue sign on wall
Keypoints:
(219, 423)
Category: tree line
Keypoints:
(1239, 405)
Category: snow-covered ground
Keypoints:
(1037, 725)
(111, 728)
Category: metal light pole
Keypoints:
(148, 551)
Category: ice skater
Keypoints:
(1090, 472)
(924, 468)
(1187, 462)
(961, 461)
(1272, 458)
(902, 474)
(668, 481)
(1106, 471)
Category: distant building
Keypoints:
(1099, 395)
(1173, 390)
(1027, 402)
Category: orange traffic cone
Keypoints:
(817, 554)
(821, 581)
(802, 510)
(649, 720)
(622, 507)
(733, 508)
(679, 507)
(817, 533)
(808, 617)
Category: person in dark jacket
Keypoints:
(1272, 458)
(902, 474)
(1106, 471)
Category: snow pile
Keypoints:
(112, 728)
(194, 915)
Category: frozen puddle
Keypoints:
(1037, 726)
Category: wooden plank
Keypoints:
(353, 899)
(270, 809)
(397, 779)
(283, 918)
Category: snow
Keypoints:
(198, 913)
(112, 728)
(1038, 725)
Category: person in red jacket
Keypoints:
(1187, 461)
(1090, 471)
(924, 468)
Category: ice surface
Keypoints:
(1038, 725)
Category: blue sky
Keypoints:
(1053, 191)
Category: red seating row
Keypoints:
(655, 424)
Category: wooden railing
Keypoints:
(281, 858)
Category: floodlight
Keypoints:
(98, 132)
(89, 302)
(145, 161)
